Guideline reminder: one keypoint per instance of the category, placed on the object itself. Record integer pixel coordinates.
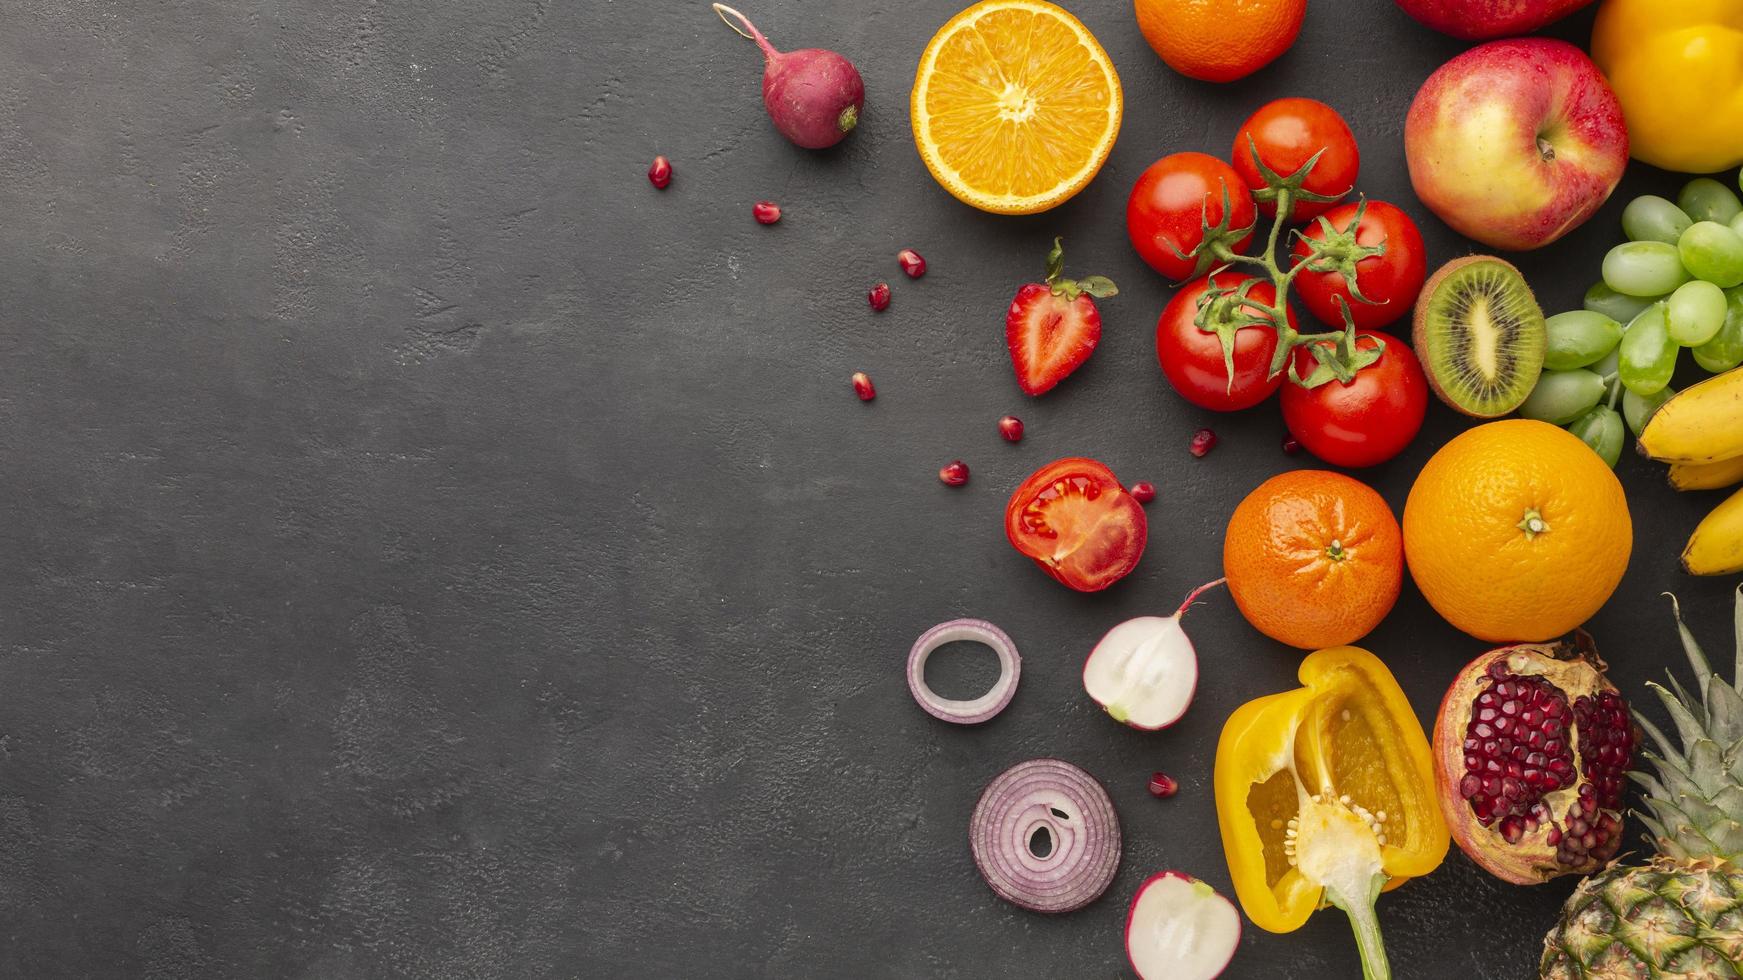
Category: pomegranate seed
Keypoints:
(1203, 441)
(1011, 428)
(954, 474)
(1144, 492)
(862, 386)
(766, 212)
(1291, 445)
(1163, 785)
(660, 172)
(879, 297)
(911, 263)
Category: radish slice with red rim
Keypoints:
(977, 710)
(1179, 928)
(1045, 836)
(1145, 670)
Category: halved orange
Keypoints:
(1015, 106)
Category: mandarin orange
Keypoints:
(1314, 559)
(1219, 40)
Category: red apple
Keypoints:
(1516, 143)
(1479, 20)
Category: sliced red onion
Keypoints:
(979, 709)
(1078, 817)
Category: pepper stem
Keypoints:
(1366, 924)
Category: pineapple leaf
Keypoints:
(1697, 657)
(1651, 729)
(1687, 727)
(1724, 711)
(1737, 675)
(1652, 825)
(1706, 765)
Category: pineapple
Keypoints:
(1681, 914)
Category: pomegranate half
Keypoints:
(1531, 752)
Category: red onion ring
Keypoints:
(1077, 814)
(979, 709)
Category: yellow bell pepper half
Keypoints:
(1325, 794)
(1677, 67)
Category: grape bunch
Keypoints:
(1676, 283)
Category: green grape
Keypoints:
(1710, 251)
(1609, 366)
(1705, 199)
(1601, 429)
(1648, 353)
(1695, 312)
(1725, 351)
(1617, 306)
(1737, 224)
(1638, 408)
(1562, 396)
(1579, 338)
(1653, 219)
(1647, 268)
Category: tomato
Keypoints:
(1287, 133)
(1075, 520)
(1391, 281)
(1192, 359)
(1368, 421)
(1172, 201)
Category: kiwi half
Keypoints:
(1480, 335)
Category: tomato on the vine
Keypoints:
(1173, 201)
(1390, 281)
(1192, 359)
(1074, 519)
(1366, 421)
(1287, 133)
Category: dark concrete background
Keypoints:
(432, 552)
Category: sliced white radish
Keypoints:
(1145, 670)
(1179, 928)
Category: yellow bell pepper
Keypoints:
(1325, 794)
(1677, 67)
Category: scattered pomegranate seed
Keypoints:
(1144, 492)
(1011, 428)
(879, 297)
(660, 172)
(1163, 785)
(911, 262)
(862, 386)
(955, 474)
(766, 212)
(1203, 441)
(1291, 445)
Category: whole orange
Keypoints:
(1219, 40)
(1314, 559)
(1516, 531)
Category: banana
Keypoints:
(1701, 424)
(1716, 547)
(1707, 476)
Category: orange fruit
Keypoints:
(1314, 559)
(1015, 106)
(1516, 531)
(1219, 40)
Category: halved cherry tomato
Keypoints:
(1363, 423)
(1172, 201)
(1287, 133)
(1075, 520)
(1192, 359)
(1391, 281)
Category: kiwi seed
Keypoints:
(1480, 335)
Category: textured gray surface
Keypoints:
(432, 552)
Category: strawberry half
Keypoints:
(1052, 327)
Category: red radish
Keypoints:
(660, 172)
(766, 212)
(1144, 671)
(1052, 327)
(1179, 928)
(813, 96)
(879, 297)
(862, 386)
